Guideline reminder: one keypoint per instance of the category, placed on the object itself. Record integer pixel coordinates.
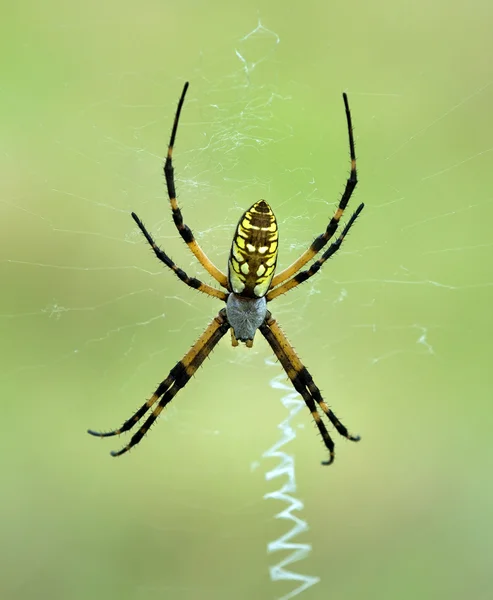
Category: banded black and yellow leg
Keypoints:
(305, 376)
(135, 418)
(303, 383)
(178, 377)
(319, 242)
(163, 387)
(183, 229)
(314, 268)
(193, 282)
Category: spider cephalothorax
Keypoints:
(249, 286)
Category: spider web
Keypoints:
(91, 320)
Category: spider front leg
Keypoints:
(303, 383)
(192, 282)
(320, 241)
(315, 267)
(183, 229)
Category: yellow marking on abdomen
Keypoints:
(253, 252)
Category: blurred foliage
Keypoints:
(395, 330)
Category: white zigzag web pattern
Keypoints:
(285, 467)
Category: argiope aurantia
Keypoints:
(250, 284)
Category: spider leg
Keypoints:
(303, 383)
(183, 229)
(320, 241)
(314, 268)
(178, 377)
(163, 257)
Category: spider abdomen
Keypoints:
(253, 255)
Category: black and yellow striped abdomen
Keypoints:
(253, 255)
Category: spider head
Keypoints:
(245, 315)
(253, 255)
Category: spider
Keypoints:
(250, 285)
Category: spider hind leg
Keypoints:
(303, 383)
(129, 423)
(177, 378)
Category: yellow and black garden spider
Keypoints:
(250, 284)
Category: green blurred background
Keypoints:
(396, 329)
